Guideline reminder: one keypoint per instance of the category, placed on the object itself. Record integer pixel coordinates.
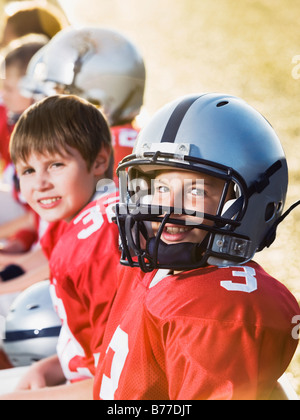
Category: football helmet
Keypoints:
(214, 134)
(32, 326)
(32, 85)
(97, 64)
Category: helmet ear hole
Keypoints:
(279, 207)
(222, 103)
(270, 211)
(31, 307)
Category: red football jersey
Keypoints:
(210, 333)
(123, 139)
(83, 264)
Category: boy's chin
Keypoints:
(52, 217)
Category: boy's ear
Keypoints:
(102, 161)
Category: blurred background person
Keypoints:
(19, 235)
(23, 20)
(16, 57)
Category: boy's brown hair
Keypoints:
(58, 122)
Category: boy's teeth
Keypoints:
(49, 200)
(175, 230)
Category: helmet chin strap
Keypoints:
(182, 255)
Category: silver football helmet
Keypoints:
(33, 84)
(100, 65)
(221, 136)
(32, 326)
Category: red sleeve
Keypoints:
(123, 139)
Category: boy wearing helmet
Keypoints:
(202, 192)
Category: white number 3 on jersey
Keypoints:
(120, 349)
(248, 287)
(91, 217)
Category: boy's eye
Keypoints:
(199, 192)
(162, 189)
(57, 165)
(27, 171)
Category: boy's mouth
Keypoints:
(49, 202)
(175, 230)
(173, 233)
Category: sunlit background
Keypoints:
(246, 48)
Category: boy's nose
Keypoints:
(175, 199)
(42, 182)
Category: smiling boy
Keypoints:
(167, 192)
(50, 180)
(202, 192)
(62, 148)
(59, 170)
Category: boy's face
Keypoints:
(190, 191)
(57, 186)
(12, 98)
